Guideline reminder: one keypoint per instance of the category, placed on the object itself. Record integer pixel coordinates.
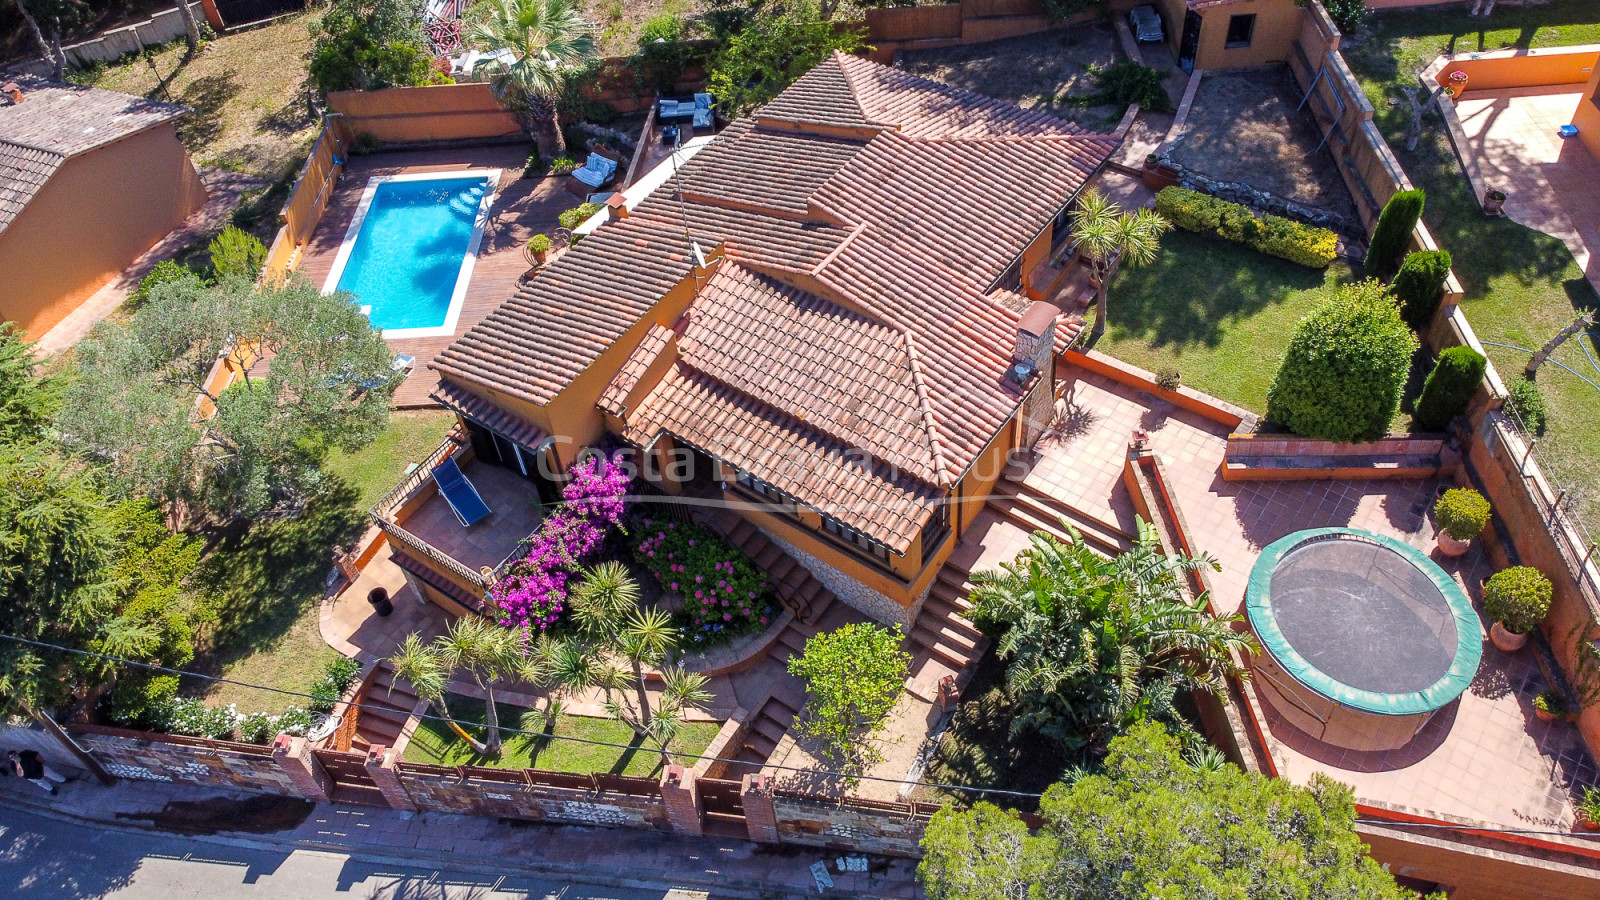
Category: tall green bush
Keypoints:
(1419, 285)
(1526, 401)
(1449, 387)
(1342, 376)
(1395, 225)
(237, 254)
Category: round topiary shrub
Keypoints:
(1419, 286)
(539, 243)
(1341, 378)
(1518, 598)
(1527, 406)
(1449, 387)
(1462, 513)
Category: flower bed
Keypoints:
(724, 595)
(533, 592)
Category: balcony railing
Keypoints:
(383, 513)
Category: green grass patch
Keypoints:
(434, 743)
(380, 465)
(1218, 312)
(1521, 285)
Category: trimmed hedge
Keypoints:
(1419, 286)
(1346, 365)
(1449, 387)
(1272, 235)
(1393, 233)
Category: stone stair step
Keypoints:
(934, 642)
(1033, 518)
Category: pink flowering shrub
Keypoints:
(533, 592)
(724, 594)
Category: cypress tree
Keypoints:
(1389, 239)
(1419, 285)
(1449, 387)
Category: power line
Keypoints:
(533, 734)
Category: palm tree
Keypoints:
(485, 650)
(1108, 236)
(627, 643)
(1094, 645)
(550, 41)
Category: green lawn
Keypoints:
(1521, 285)
(374, 469)
(435, 743)
(1217, 311)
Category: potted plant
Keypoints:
(1517, 599)
(1550, 705)
(1462, 513)
(1588, 810)
(1493, 202)
(538, 249)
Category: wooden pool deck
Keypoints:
(522, 208)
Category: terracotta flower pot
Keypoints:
(1543, 714)
(1493, 203)
(1449, 546)
(1508, 641)
(1586, 824)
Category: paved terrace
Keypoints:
(1485, 757)
(1551, 184)
(522, 208)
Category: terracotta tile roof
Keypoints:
(821, 96)
(23, 172)
(738, 167)
(922, 107)
(57, 121)
(615, 397)
(488, 415)
(836, 370)
(970, 204)
(825, 474)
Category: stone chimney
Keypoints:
(1036, 338)
(13, 90)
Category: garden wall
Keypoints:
(1187, 398)
(861, 826)
(112, 45)
(161, 757)
(307, 201)
(1497, 69)
(441, 112)
(1287, 457)
(967, 22)
(613, 801)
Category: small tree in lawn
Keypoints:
(1393, 232)
(854, 676)
(1342, 376)
(486, 651)
(550, 42)
(627, 643)
(1107, 236)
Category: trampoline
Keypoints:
(1363, 637)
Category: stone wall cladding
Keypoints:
(873, 603)
(847, 827)
(215, 765)
(537, 803)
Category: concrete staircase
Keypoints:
(1030, 508)
(386, 703)
(762, 733)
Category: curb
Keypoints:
(719, 887)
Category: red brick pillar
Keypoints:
(381, 766)
(682, 800)
(760, 817)
(293, 755)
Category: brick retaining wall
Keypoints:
(857, 826)
(515, 794)
(223, 764)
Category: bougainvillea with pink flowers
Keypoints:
(724, 594)
(533, 592)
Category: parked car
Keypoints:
(1146, 24)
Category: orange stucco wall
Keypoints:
(98, 213)
(1278, 23)
(1587, 117)
(1525, 68)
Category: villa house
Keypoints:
(830, 320)
(89, 180)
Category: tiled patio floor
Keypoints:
(1552, 184)
(1485, 757)
(514, 514)
(522, 208)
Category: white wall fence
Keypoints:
(160, 28)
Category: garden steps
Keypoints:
(387, 702)
(764, 731)
(1033, 509)
(943, 634)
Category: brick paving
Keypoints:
(621, 857)
(1551, 183)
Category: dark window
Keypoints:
(933, 534)
(1240, 28)
(757, 486)
(846, 533)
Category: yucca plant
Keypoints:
(1108, 236)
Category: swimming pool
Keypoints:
(408, 253)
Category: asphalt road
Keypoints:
(44, 859)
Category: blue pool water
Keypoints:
(409, 251)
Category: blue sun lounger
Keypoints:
(459, 493)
